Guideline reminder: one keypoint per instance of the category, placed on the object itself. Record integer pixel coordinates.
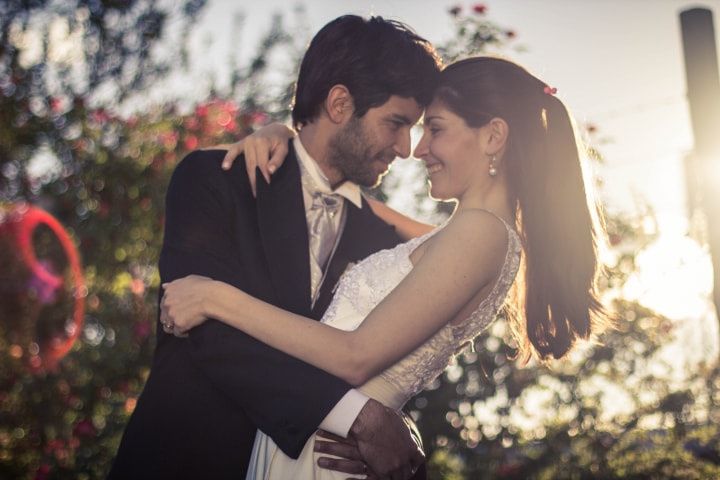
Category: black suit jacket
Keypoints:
(207, 394)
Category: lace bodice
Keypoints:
(365, 284)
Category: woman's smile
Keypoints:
(433, 168)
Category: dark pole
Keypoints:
(703, 91)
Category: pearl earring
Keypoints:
(492, 171)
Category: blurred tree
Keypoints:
(63, 148)
(57, 58)
(610, 411)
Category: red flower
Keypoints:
(104, 209)
(42, 472)
(35, 363)
(53, 445)
(224, 118)
(100, 116)
(231, 126)
(168, 140)
(137, 286)
(191, 142)
(141, 330)
(479, 8)
(123, 387)
(258, 118)
(508, 469)
(455, 11)
(84, 428)
(56, 104)
(191, 123)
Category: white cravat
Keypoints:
(327, 221)
(321, 228)
(324, 212)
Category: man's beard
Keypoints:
(350, 152)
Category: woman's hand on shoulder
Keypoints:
(265, 149)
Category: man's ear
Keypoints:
(339, 105)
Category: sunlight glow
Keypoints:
(674, 277)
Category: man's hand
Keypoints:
(385, 442)
(346, 449)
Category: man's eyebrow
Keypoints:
(396, 117)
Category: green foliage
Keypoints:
(475, 35)
(58, 57)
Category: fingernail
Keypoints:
(225, 166)
(323, 462)
(271, 168)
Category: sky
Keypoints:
(617, 64)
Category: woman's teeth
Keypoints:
(434, 168)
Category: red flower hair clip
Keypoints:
(550, 90)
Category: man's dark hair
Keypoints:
(374, 58)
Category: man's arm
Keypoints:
(284, 397)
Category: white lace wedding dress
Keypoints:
(359, 290)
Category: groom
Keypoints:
(362, 85)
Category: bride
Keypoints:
(523, 235)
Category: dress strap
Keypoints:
(507, 225)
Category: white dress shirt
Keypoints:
(344, 413)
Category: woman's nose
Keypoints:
(421, 149)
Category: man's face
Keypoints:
(364, 148)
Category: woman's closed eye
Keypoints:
(433, 129)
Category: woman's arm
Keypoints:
(266, 149)
(405, 226)
(464, 257)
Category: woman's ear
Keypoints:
(498, 131)
(339, 105)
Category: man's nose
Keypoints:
(402, 146)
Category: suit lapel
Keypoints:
(283, 231)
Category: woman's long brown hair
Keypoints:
(555, 294)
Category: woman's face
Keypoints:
(453, 153)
